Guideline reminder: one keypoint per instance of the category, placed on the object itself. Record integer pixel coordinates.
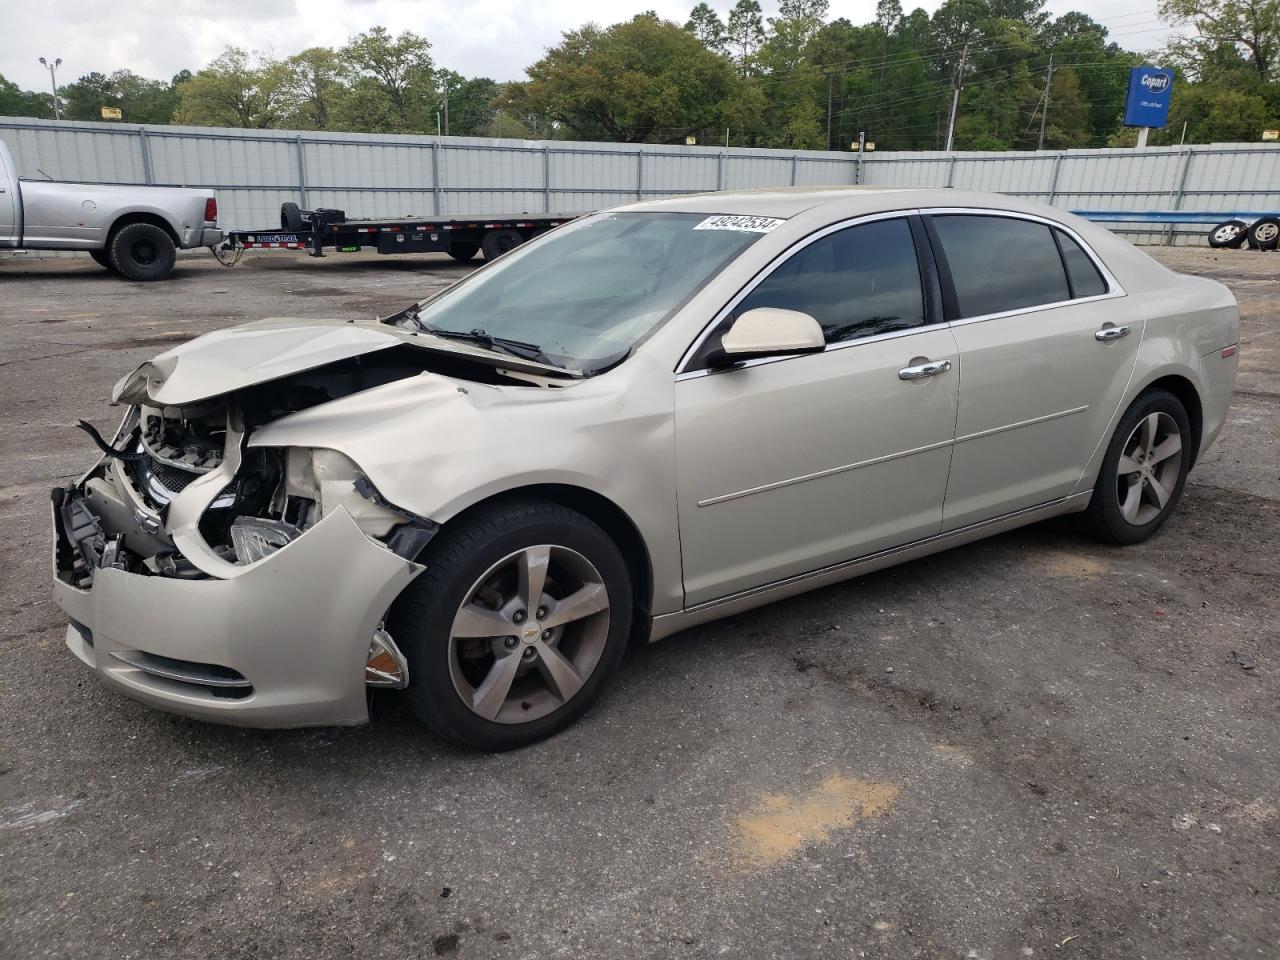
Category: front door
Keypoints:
(788, 465)
(1047, 345)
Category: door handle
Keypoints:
(922, 370)
(1111, 333)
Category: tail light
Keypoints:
(211, 209)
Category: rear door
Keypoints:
(8, 200)
(1047, 341)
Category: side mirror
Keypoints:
(769, 332)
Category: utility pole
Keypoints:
(829, 80)
(53, 82)
(1044, 115)
(446, 107)
(955, 97)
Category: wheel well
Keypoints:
(1186, 392)
(125, 219)
(610, 517)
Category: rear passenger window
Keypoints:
(856, 283)
(1085, 279)
(1000, 263)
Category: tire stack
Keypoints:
(1262, 234)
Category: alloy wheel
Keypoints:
(1149, 467)
(1266, 233)
(529, 634)
(1226, 233)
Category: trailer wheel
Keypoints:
(1265, 233)
(142, 251)
(1229, 234)
(290, 217)
(498, 242)
(464, 251)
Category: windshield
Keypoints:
(588, 293)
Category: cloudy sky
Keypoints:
(495, 38)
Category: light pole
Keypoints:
(53, 81)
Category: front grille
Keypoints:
(160, 482)
(171, 478)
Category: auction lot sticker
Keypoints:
(745, 224)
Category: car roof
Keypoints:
(838, 201)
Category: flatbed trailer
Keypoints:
(460, 237)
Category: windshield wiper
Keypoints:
(516, 348)
(478, 336)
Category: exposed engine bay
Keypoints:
(118, 515)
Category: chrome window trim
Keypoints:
(1114, 288)
(682, 371)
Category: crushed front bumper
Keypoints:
(279, 643)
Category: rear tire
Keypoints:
(101, 258)
(1265, 233)
(142, 251)
(1229, 234)
(498, 242)
(463, 251)
(477, 579)
(1143, 471)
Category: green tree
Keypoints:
(395, 89)
(472, 104)
(1067, 122)
(16, 102)
(1253, 25)
(236, 90)
(644, 80)
(83, 99)
(793, 117)
(705, 24)
(745, 31)
(316, 87)
(1215, 115)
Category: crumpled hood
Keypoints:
(224, 361)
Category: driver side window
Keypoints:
(857, 282)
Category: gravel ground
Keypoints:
(1031, 746)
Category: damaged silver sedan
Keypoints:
(647, 419)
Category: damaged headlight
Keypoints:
(253, 538)
(313, 483)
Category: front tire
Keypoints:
(1143, 472)
(102, 259)
(522, 614)
(142, 251)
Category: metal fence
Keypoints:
(369, 175)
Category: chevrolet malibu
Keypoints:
(647, 419)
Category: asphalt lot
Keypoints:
(1031, 746)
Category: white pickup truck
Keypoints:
(135, 231)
